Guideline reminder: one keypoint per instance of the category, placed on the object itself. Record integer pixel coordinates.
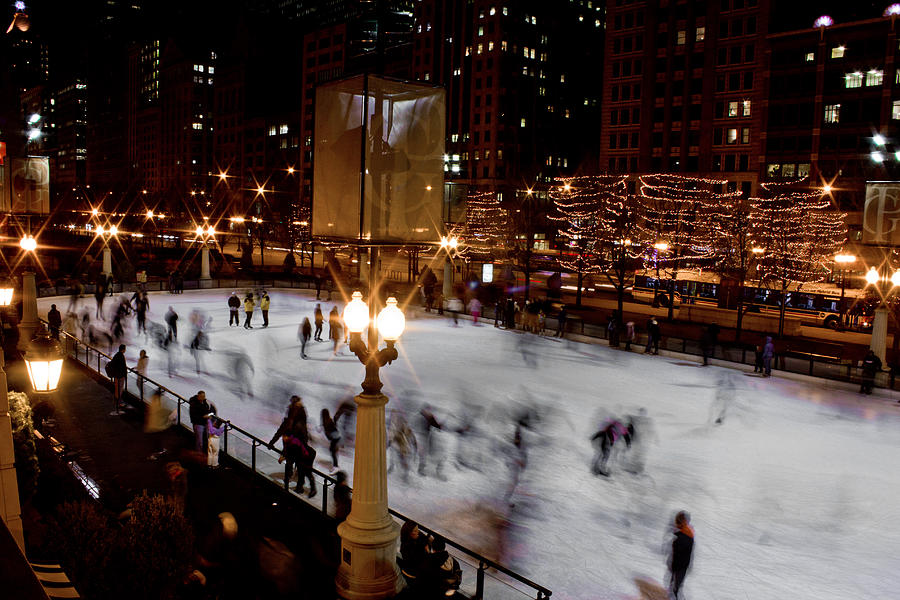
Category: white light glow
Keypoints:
(878, 139)
(44, 374)
(391, 321)
(872, 276)
(877, 157)
(356, 313)
(28, 243)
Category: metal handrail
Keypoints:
(484, 563)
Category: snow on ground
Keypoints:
(792, 496)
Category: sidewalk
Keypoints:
(113, 451)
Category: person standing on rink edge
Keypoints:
(319, 319)
(248, 308)
(234, 305)
(682, 550)
(264, 307)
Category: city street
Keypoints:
(792, 493)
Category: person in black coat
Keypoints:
(682, 550)
(871, 365)
(653, 333)
(319, 319)
(304, 334)
(334, 437)
(118, 371)
(234, 306)
(199, 408)
(413, 549)
(54, 320)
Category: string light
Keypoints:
(486, 223)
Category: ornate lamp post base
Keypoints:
(368, 569)
(29, 322)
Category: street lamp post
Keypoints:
(449, 244)
(843, 260)
(29, 322)
(878, 343)
(204, 234)
(9, 488)
(106, 234)
(368, 567)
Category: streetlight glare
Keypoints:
(877, 157)
(356, 313)
(100, 230)
(34, 118)
(223, 175)
(211, 231)
(95, 212)
(113, 230)
(872, 276)
(149, 214)
(391, 321)
(290, 170)
(895, 278)
(878, 139)
(661, 246)
(845, 258)
(827, 188)
(28, 243)
(199, 230)
(260, 190)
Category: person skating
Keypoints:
(427, 424)
(249, 305)
(303, 334)
(455, 305)
(402, 441)
(682, 551)
(335, 329)
(264, 307)
(768, 354)
(604, 441)
(141, 306)
(171, 319)
(331, 434)
(871, 365)
(234, 305)
(295, 421)
(319, 319)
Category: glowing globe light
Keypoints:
(892, 11)
(20, 6)
(6, 293)
(391, 320)
(895, 279)
(823, 21)
(211, 231)
(872, 276)
(199, 230)
(878, 139)
(95, 212)
(100, 230)
(28, 243)
(356, 313)
(44, 360)
(877, 157)
(34, 118)
(149, 214)
(113, 230)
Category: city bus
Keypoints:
(814, 304)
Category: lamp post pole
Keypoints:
(368, 567)
(29, 322)
(878, 342)
(9, 488)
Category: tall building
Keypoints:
(833, 110)
(523, 93)
(683, 91)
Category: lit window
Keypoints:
(468, 50)
(454, 137)
(833, 112)
(505, 11)
(838, 52)
(542, 91)
(211, 70)
(681, 37)
(745, 108)
(427, 76)
(480, 48)
(732, 109)
(209, 81)
(522, 122)
(477, 155)
(526, 52)
(745, 135)
(456, 71)
(198, 125)
(503, 47)
(810, 56)
(773, 170)
(499, 153)
(732, 136)
(273, 130)
(596, 22)
(567, 113)
(490, 46)
(197, 68)
(534, 20)
(283, 128)
(874, 77)
(895, 112)
(532, 53)
(853, 80)
(481, 31)
(562, 78)
(701, 34)
(788, 170)
(493, 11)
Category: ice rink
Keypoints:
(794, 495)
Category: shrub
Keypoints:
(27, 467)
(86, 541)
(158, 542)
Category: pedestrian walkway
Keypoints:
(113, 452)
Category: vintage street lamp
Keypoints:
(449, 244)
(368, 536)
(888, 285)
(843, 260)
(204, 234)
(44, 360)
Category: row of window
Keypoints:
(625, 116)
(731, 135)
(736, 55)
(325, 42)
(628, 20)
(732, 109)
(628, 44)
(737, 27)
(872, 77)
(624, 92)
(787, 170)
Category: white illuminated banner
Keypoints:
(487, 273)
(29, 186)
(398, 143)
(882, 213)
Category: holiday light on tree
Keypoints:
(674, 209)
(796, 233)
(597, 224)
(486, 224)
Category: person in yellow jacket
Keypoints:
(248, 308)
(264, 307)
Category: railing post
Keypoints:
(326, 483)
(479, 581)
(253, 455)
(225, 440)
(684, 345)
(178, 407)
(810, 365)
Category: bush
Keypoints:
(27, 467)
(158, 543)
(86, 541)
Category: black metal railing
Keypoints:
(492, 580)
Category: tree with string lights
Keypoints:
(597, 221)
(486, 225)
(796, 233)
(673, 209)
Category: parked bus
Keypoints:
(814, 304)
